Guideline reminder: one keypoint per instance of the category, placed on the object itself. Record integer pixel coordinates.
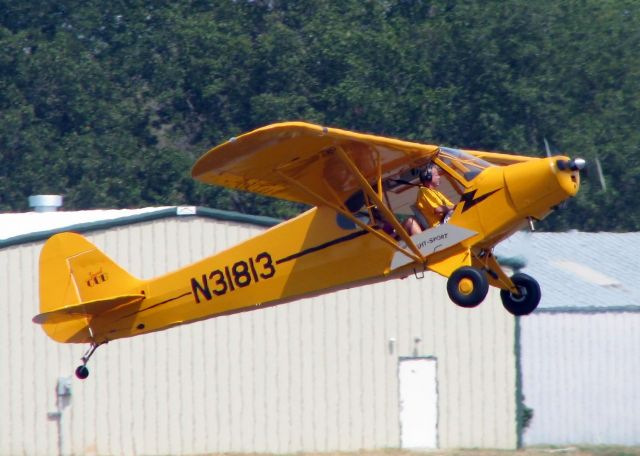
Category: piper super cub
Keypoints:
(369, 222)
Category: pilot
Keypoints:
(431, 203)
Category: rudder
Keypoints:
(73, 272)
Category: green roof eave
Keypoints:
(179, 211)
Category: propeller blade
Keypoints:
(546, 147)
(603, 182)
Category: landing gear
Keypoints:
(82, 371)
(468, 286)
(526, 300)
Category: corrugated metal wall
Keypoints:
(580, 376)
(315, 375)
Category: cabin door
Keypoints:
(418, 403)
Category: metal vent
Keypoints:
(45, 203)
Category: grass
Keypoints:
(535, 451)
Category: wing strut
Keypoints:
(350, 216)
(414, 253)
(382, 207)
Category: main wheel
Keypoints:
(468, 286)
(527, 300)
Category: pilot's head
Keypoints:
(430, 175)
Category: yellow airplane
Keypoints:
(362, 188)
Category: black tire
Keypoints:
(468, 286)
(82, 372)
(528, 299)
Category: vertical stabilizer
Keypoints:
(78, 281)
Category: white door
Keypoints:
(418, 403)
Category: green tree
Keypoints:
(109, 103)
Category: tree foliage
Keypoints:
(109, 103)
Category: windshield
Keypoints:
(462, 162)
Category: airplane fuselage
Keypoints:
(318, 251)
(300, 257)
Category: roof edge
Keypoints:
(176, 211)
(631, 308)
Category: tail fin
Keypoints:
(77, 283)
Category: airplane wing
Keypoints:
(303, 162)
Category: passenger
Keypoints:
(431, 203)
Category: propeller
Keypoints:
(574, 164)
(580, 164)
(595, 168)
(603, 182)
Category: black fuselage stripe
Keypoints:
(316, 248)
(154, 306)
(322, 246)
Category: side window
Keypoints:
(451, 183)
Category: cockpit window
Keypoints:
(466, 164)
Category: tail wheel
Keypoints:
(528, 298)
(82, 372)
(468, 286)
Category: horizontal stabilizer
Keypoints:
(87, 309)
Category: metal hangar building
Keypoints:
(390, 365)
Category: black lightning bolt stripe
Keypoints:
(322, 246)
(469, 201)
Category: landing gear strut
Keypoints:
(82, 371)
